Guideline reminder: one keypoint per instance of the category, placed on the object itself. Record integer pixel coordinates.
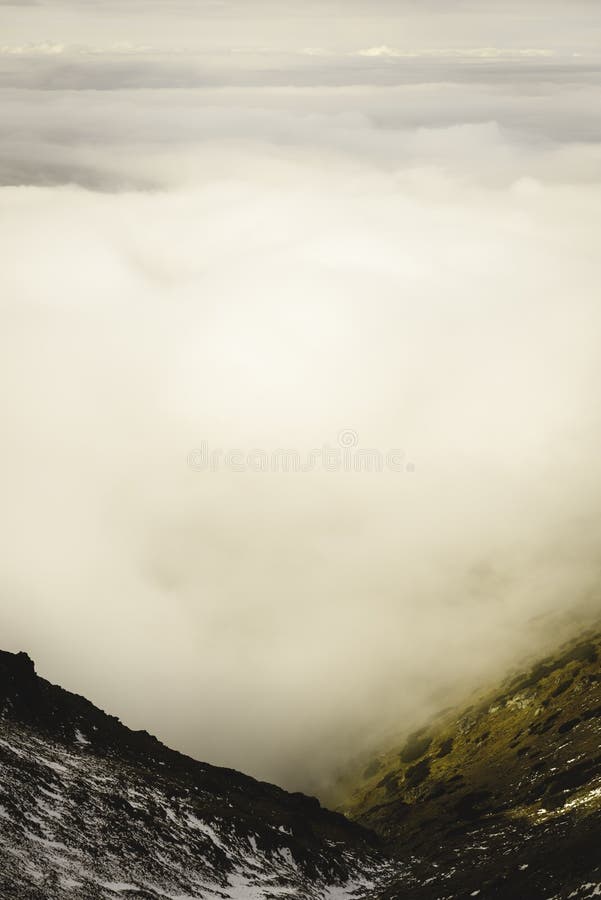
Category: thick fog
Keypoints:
(299, 360)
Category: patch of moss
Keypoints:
(417, 773)
(417, 744)
(372, 769)
(445, 748)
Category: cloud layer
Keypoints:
(259, 251)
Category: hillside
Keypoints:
(502, 798)
(94, 811)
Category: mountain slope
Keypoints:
(503, 798)
(90, 809)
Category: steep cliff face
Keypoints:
(503, 797)
(90, 809)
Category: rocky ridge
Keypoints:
(90, 809)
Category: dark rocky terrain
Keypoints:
(92, 810)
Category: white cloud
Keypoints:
(50, 48)
(380, 51)
(269, 299)
(46, 48)
(457, 52)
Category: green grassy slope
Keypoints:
(503, 796)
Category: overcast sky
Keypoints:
(258, 226)
(340, 25)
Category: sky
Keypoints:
(299, 369)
